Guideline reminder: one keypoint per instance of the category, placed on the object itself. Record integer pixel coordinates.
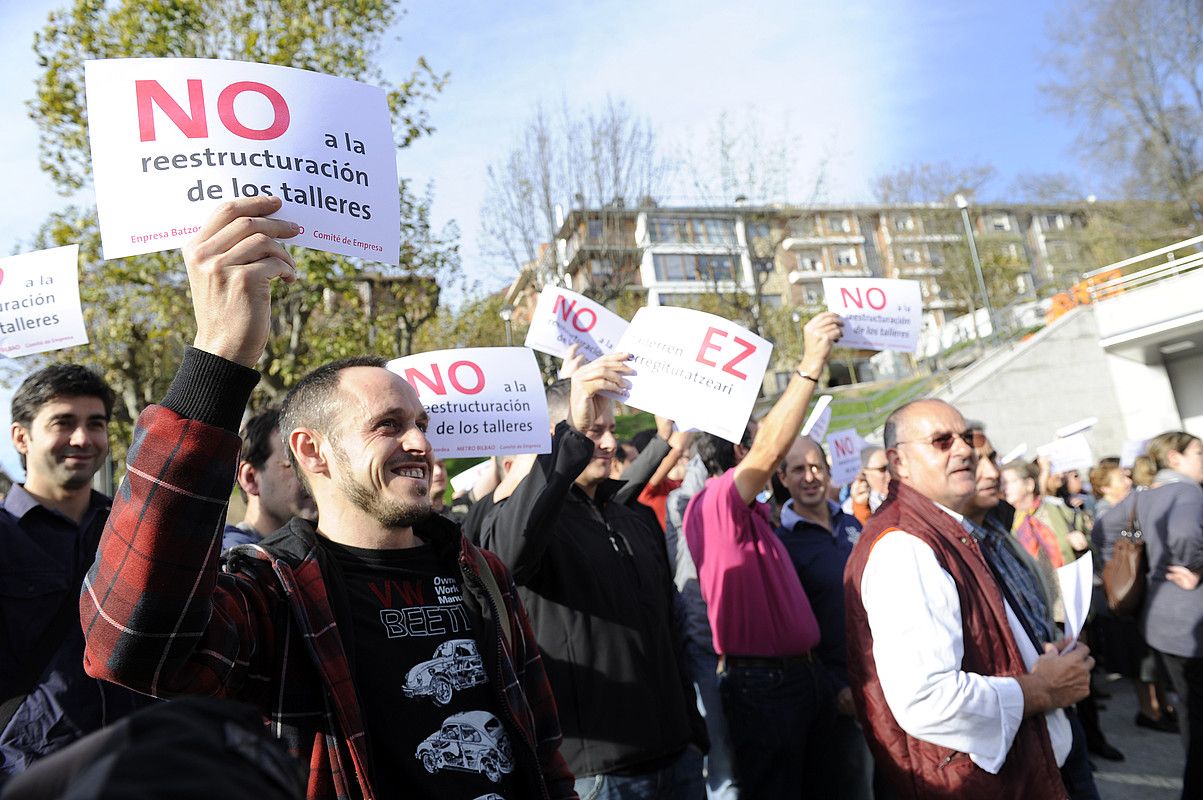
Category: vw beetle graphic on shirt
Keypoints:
(456, 665)
(472, 741)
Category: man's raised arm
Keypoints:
(780, 426)
(157, 615)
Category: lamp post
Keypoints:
(506, 313)
(963, 204)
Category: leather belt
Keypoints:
(726, 662)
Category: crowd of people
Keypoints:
(678, 616)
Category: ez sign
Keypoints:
(745, 348)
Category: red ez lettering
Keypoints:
(194, 124)
(852, 297)
(729, 367)
(434, 382)
(565, 309)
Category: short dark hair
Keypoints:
(557, 400)
(257, 439)
(59, 380)
(310, 403)
(643, 438)
(717, 453)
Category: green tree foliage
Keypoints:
(137, 310)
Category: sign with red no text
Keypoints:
(879, 313)
(696, 368)
(172, 138)
(843, 448)
(482, 401)
(563, 318)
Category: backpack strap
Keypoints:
(494, 591)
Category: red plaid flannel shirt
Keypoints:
(162, 617)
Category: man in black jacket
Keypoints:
(594, 576)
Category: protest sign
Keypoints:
(1081, 426)
(1068, 454)
(879, 313)
(843, 448)
(172, 138)
(694, 367)
(819, 419)
(465, 480)
(12, 374)
(39, 302)
(563, 318)
(481, 400)
(1018, 451)
(1131, 449)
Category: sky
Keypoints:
(865, 86)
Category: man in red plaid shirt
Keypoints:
(392, 656)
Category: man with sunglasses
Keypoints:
(955, 695)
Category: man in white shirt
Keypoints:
(955, 696)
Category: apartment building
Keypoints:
(676, 254)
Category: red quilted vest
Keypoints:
(916, 768)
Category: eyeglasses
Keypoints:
(944, 441)
(883, 469)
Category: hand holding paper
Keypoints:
(1076, 580)
(231, 264)
(602, 375)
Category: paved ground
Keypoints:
(1152, 765)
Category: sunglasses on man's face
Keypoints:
(944, 441)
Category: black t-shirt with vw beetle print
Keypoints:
(433, 721)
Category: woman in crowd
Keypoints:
(1170, 517)
(1110, 484)
(1046, 528)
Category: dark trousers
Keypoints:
(780, 720)
(1075, 772)
(1186, 674)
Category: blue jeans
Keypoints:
(720, 778)
(780, 719)
(680, 780)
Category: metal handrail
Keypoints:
(1127, 262)
(1144, 277)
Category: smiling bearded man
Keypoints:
(390, 654)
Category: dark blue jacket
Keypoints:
(819, 556)
(43, 559)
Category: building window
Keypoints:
(692, 230)
(839, 223)
(904, 222)
(846, 256)
(1000, 222)
(812, 295)
(695, 267)
(763, 265)
(1060, 252)
(595, 230)
(911, 256)
(758, 231)
(1054, 222)
(803, 227)
(936, 254)
(770, 300)
(810, 261)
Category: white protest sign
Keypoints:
(39, 302)
(1077, 582)
(819, 419)
(563, 318)
(1068, 454)
(12, 374)
(843, 448)
(172, 138)
(482, 401)
(1081, 426)
(879, 313)
(695, 367)
(1018, 451)
(1131, 449)
(468, 478)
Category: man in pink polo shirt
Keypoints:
(774, 694)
